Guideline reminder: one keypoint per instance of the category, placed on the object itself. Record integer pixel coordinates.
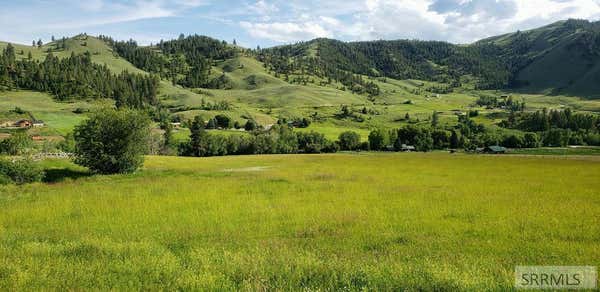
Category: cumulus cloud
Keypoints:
(459, 21)
(285, 32)
(67, 17)
(284, 21)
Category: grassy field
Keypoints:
(582, 150)
(58, 116)
(346, 221)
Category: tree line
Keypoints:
(280, 139)
(558, 127)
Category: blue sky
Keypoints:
(272, 22)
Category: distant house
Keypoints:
(494, 150)
(407, 148)
(176, 125)
(38, 124)
(23, 124)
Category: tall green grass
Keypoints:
(330, 222)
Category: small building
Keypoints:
(23, 124)
(494, 150)
(176, 125)
(38, 124)
(407, 148)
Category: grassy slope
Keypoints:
(59, 117)
(378, 221)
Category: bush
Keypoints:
(17, 144)
(112, 141)
(592, 139)
(20, 171)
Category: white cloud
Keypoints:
(117, 13)
(68, 17)
(459, 21)
(285, 32)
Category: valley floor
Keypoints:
(343, 221)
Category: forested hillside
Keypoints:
(76, 77)
(560, 58)
(401, 59)
(186, 61)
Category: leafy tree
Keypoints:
(312, 142)
(454, 140)
(378, 139)
(513, 141)
(250, 125)
(556, 137)
(112, 141)
(441, 138)
(531, 140)
(212, 124)
(223, 121)
(349, 140)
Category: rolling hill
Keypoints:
(555, 66)
(561, 58)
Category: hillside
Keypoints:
(561, 58)
(384, 84)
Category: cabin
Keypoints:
(407, 148)
(494, 150)
(176, 125)
(38, 124)
(23, 124)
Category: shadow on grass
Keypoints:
(60, 174)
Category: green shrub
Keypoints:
(112, 141)
(20, 171)
(17, 144)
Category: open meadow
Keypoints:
(370, 221)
